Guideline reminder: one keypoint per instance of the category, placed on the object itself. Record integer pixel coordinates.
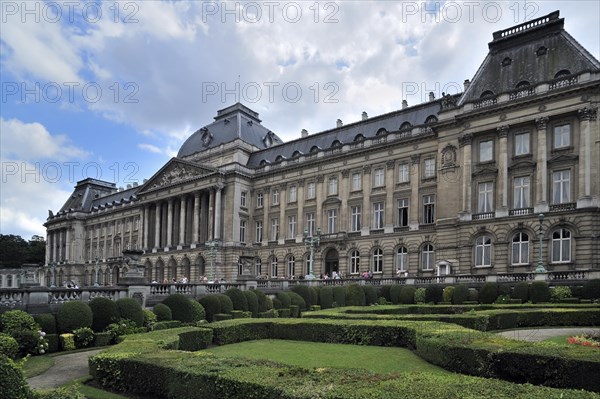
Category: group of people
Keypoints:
(71, 285)
(334, 276)
(183, 280)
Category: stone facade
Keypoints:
(452, 186)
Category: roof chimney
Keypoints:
(431, 96)
(467, 84)
(339, 123)
(404, 104)
(365, 116)
(304, 133)
(128, 186)
(135, 184)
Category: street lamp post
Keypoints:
(53, 269)
(97, 270)
(310, 240)
(540, 266)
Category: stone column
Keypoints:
(218, 206)
(300, 197)
(502, 182)
(586, 117)
(344, 190)
(541, 172)
(105, 250)
(48, 248)
(266, 206)
(131, 233)
(195, 218)
(366, 205)
(415, 178)
(204, 218)
(169, 224)
(146, 226)
(98, 241)
(389, 196)
(67, 244)
(61, 255)
(464, 142)
(282, 219)
(320, 197)
(182, 221)
(157, 227)
(211, 215)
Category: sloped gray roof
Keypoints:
(231, 123)
(90, 193)
(390, 122)
(532, 52)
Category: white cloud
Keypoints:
(150, 148)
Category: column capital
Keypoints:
(345, 173)
(587, 114)
(320, 179)
(415, 159)
(390, 164)
(367, 169)
(465, 139)
(542, 123)
(503, 131)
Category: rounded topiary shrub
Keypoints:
(130, 309)
(521, 291)
(237, 298)
(326, 297)
(407, 294)
(8, 346)
(591, 289)
(181, 308)
(198, 312)
(539, 292)
(557, 294)
(212, 306)
(263, 301)
(252, 301)
(384, 291)
(370, 294)
(226, 304)
(473, 295)
(297, 300)
(304, 292)
(47, 322)
(74, 315)
(448, 294)
(488, 293)
(339, 296)
(433, 293)
(394, 294)
(284, 300)
(104, 312)
(15, 320)
(420, 295)
(460, 294)
(162, 312)
(314, 295)
(12, 381)
(355, 296)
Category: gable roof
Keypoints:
(174, 172)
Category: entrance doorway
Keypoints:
(332, 261)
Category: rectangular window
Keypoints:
(403, 173)
(429, 169)
(378, 215)
(259, 200)
(379, 177)
(355, 218)
(293, 194)
(292, 226)
(259, 231)
(561, 187)
(310, 223)
(242, 231)
(332, 221)
(485, 201)
(429, 209)
(403, 212)
(562, 136)
(522, 144)
(310, 190)
(274, 229)
(243, 199)
(275, 197)
(486, 151)
(333, 186)
(356, 182)
(521, 192)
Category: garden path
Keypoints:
(66, 368)
(540, 334)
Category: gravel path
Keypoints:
(541, 334)
(66, 368)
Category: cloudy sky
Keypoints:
(111, 90)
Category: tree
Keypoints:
(15, 251)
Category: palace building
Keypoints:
(456, 185)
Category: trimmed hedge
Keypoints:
(195, 340)
(212, 306)
(252, 300)
(384, 291)
(304, 292)
(591, 289)
(163, 325)
(14, 320)
(131, 309)
(355, 296)
(294, 311)
(460, 294)
(434, 293)
(183, 308)
(284, 300)
(8, 346)
(238, 299)
(521, 291)
(339, 296)
(488, 293)
(162, 312)
(226, 303)
(240, 314)
(269, 314)
(325, 297)
(104, 312)
(297, 300)
(67, 342)
(448, 294)
(47, 322)
(73, 315)
(539, 292)
(264, 302)
(53, 343)
(284, 312)
(222, 316)
(104, 338)
(396, 294)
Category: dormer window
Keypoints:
(314, 149)
(487, 93)
(296, 154)
(336, 143)
(562, 73)
(359, 137)
(405, 126)
(431, 119)
(523, 84)
(381, 132)
(279, 158)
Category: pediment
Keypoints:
(174, 172)
(525, 164)
(332, 200)
(485, 170)
(565, 158)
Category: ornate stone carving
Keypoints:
(345, 173)
(542, 123)
(503, 131)
(175, 175)
(448, 156)
(588, 114)
(391, 164)
(206, 137)
(320, 179)
(465, 139)
(415, 158)
(448, 101)
(367, 169)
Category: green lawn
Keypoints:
(36, 365)
(313, 354)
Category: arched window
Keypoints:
(520, 249)
(431, 119)
(378, 260)
(314, 149)
(258, 267)
(240, 266)
(561, 246)
(405, 126)
(354, 262)
(291, 266)
(358, 138)
(336, 143)
(402, 259)
(296, 154)
(562, 73)
(381, 132)
(279, 158)
(487, 93)
(483, 251)
(427, 257)
(273, 267)
(523, 84)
